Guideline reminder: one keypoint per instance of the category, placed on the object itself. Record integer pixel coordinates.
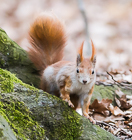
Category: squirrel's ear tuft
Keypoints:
(94, 61)
(80, 54)
(93, 57)
(80, 51)
(78, 59)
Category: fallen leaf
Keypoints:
(118, 102)
(119, 92)
(98, 117)
(130, 109)
(116, 131)
(130, 123)
(115, 71)
(123, 102)
(111, 130)
(125, 105)
(128, 112)
(127, 78)
(127, 131)
(113, 118)
(115, 110)
(101, 106)
(129, 97)
(130, 102)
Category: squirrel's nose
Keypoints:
(84, 81)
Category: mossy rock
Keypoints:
(5, 131)
(36, 115)
(15, 59)
(15, 111)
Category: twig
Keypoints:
(103, 123)
(82, 10)
(102, 83)
(117, 83)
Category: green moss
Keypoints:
(126, 91)
(2, 62)
(16, 60)
(20, 119)
(7, 81)
(15, 112)
(68, 128)
(1, 133)
(11, 49)
(104, 92)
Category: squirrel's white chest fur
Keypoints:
(79, 88)
(76, 87)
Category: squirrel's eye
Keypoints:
(77, 70)
(93, 72)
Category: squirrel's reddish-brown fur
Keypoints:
(72, 81)
(47, 37)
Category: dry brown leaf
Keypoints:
(119, 93)
(129, 97)
(130, 123)
(116, 71)
(98, 117)
(127, 78)
(130, 102)
(130, 109)
(124, 103)
(111, 130)
(113, 118)
(127, 131)
(115, 110)
(119, 123)
(126, 122)
(128, 112)
(116, 131)
(118, 102)
(101, 106)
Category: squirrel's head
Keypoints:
(85, 69)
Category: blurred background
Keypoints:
(109, 26)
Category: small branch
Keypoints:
(119, 84)
(102, 83)
(82, 10)
(103, 123)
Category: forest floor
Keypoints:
(109, 26)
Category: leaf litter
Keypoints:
(118, 119)
(115, 119)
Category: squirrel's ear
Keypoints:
(93, 57)
(94, 61)
(78, 59)
(80, 54)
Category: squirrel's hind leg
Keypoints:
(65, 93)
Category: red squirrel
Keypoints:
(72, 81)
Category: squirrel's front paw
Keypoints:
(69, 103)
(90, 118)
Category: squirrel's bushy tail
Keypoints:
(47, 38)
